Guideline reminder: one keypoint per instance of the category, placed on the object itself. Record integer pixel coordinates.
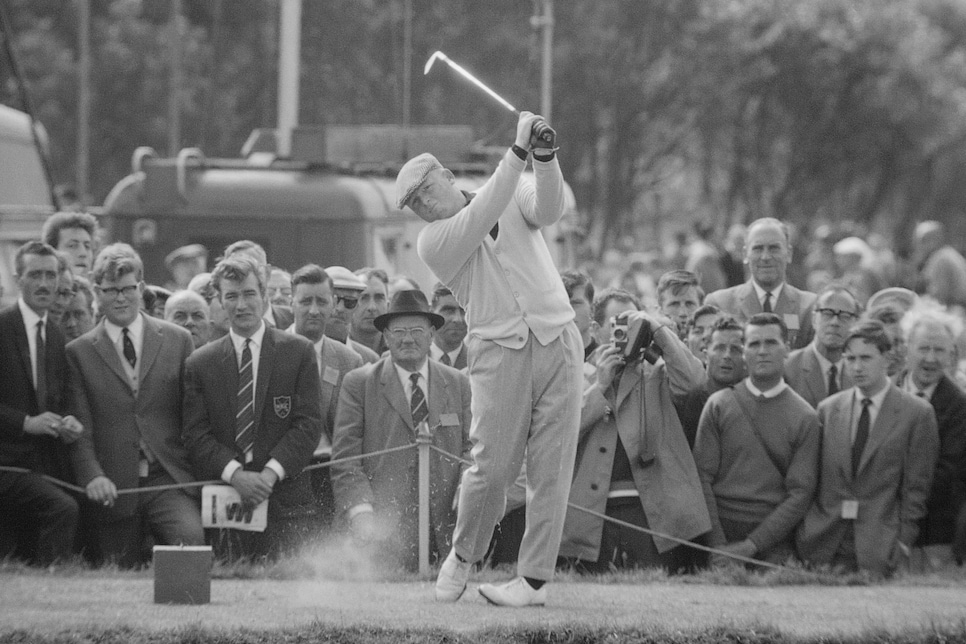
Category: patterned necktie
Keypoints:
(766, 307)
(861, 436)
(245, 418)
(129, 354)
(41, 384)
(445, 360)
(418, 402)
(833, 380)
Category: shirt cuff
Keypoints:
(229, 471)
(356, 510)
(276, 467)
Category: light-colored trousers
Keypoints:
(526, 404)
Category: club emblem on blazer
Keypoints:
(283, 405)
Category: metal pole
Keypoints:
(174, 90)
(289, 63)
(407, 87)
(83, 99)
(424, 440)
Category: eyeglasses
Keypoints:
(348, 302)
(113, 292)
(844, 316)
(417, 332)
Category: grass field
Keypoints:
(305, 601)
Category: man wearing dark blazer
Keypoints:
(32, 398)
(767, 253)
(879, 450)
(313, 301)
(252, 415)
(817, 371)
(931, 354)
(381, 406)
(448, 346)
(126, 385)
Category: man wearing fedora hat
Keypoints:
(384, 405)
(525, 352)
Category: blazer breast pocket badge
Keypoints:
(283, 406)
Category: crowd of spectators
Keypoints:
(806, 411)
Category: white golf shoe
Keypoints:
(516, 593)
(451, 581)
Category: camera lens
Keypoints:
(620, 334)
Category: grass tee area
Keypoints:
(321, 600)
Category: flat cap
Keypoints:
(342, 277)
(412, 175)
(184, 253)
(901, 298)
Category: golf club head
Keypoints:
(432, 59)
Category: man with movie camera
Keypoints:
(633, 461)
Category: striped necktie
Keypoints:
(417, 403)
(245, 418)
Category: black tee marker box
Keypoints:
(182, 574)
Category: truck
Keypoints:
(26, 195)
(330, 201)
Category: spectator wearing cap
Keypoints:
(347, 288)
(184, 263)
(277, 315)
(878, 452)
(385, 405)
(73, 233)
(818, 371)
(448, 346)
(768, 251)
(489, 250)
(373, 302)
(931, 340)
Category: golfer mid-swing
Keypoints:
(525, 353)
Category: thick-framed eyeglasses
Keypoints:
(844, 316)
(347, 302)
(113, 292)
(417, 333)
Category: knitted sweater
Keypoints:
(766, 477)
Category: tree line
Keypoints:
(669, 110)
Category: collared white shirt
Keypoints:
(874, 408)
(775, 293)
(238, 342)
(407, 384)
(826, 364)
(136, 332)
(30, 320)
(771, 393)
(436, 353)
(912, 388)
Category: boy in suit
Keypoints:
(879, 450)
(252, 414)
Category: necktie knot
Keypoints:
(766, 307)
(833, 380)
(446, 360)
